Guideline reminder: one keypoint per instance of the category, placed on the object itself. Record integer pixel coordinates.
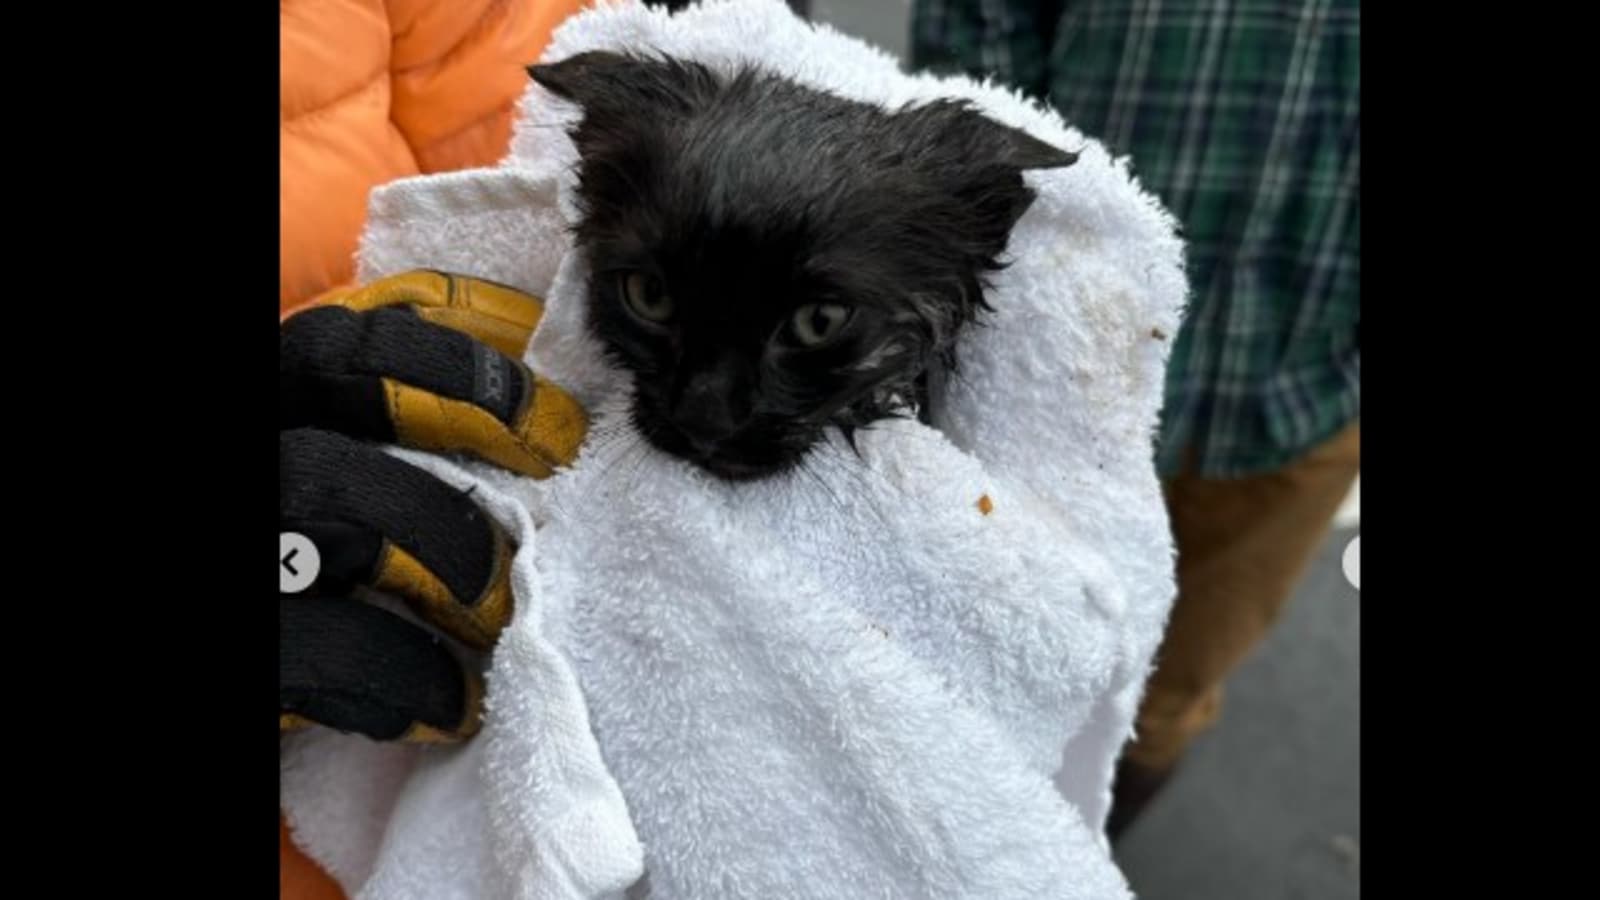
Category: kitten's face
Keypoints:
(770, 260)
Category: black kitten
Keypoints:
(769, 260)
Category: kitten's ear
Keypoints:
(577, 77)
(959, 135)
(1024, 151)
(984, 163)
(601, 80)
(986, 142)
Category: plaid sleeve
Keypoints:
(1003, 39)
(1245, 119)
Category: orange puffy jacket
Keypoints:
(371, 91)
(374, 90)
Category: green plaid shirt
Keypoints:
(1245, 118)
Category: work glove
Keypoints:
(430, 361)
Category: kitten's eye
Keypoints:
(817, 323)
(646, 298)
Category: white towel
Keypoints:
(847, 682)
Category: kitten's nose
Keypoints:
(713, 405)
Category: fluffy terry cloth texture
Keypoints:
(900, 675)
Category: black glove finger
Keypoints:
(331, 362)
(381, 522)
(389, 375)
(357, 668)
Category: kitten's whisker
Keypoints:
(599, 481)
(641, 454)
(600, 442)
(854, 531)
(864, 490)
(811, 473)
